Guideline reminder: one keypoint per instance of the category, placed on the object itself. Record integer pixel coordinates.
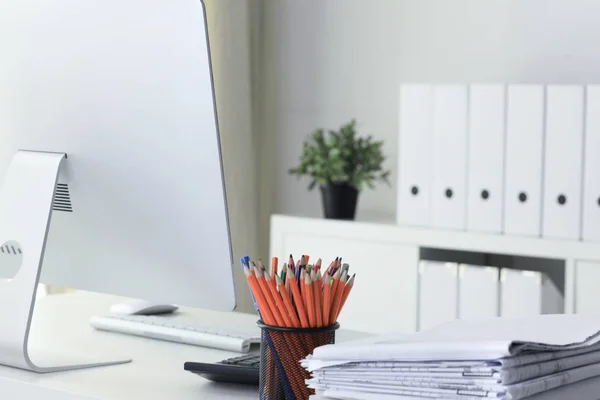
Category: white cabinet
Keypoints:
(591, 182)
(384, 271)
(386, 259)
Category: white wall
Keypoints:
(326, 61)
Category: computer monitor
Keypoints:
(109, 159)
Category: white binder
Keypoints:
(520, 293)
(563, 162)
(591, 173)
(478, 289)
(524, 153)
(553, 300)
(448, 206)
(486, 158)
(438, 293)
(587, 297)
(414, 155)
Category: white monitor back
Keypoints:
(124, 87)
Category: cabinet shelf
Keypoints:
(385, 256)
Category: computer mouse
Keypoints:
(140, 307)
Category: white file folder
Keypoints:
(438, 291)
(553, 300)
(524, 155)
(478, 291)
(591, 173)
(486, 158)
(414, 155)
(449, 198)
(587, 297)
(563, 162)
(520, 293)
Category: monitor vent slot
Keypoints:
(62, 198)
(10, 249)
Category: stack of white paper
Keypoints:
(541, 357)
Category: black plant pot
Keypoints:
(339, 200)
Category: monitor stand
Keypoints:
(26, 200)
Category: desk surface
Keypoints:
(156, 373)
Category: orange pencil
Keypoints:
(290, 311)
(286, 282)
(317, 296)
(268, 297)
(336, 301)
(303, 291)
(302, 263)
(274, 262)
(318, 264)
(297, 298)
(319, 276)
(302, 274)
(261, 265)
(310, 300)
(270, 280)
(306, 258)
(326, 298)
(347, 290)
(287, 302)
(336, 267)
(278, 301)
(344, 277)
(283, 346)
(334, 283)
(263, 307)
(331, 265)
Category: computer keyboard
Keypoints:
(179, 330)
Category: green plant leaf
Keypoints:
(342, 156)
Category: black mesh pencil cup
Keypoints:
(281, 350)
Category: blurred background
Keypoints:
(283, 68)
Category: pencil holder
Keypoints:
(281, 350)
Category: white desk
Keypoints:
(156, 373)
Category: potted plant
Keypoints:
(342, 164)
